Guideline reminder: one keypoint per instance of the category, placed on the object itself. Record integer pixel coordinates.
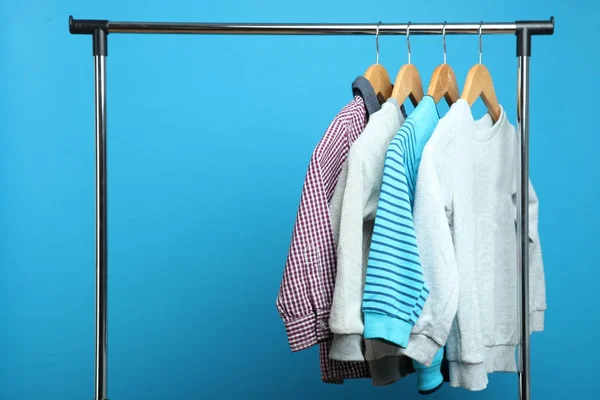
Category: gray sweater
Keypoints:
(465, 220)
(352, 211)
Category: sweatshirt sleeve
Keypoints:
(432, 218)
(395, 291)
(345, 320)
(537, 283)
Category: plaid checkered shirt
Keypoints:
(306, 291)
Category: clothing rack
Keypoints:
(99, 30)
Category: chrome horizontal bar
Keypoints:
(87, 27)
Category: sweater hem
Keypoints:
(501, 358)
(468, 376)
(388, 370)
(536, 321)
(378, 349)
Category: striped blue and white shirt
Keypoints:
(395, 291)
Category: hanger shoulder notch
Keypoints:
(443, 84)
(379, 78)
(479, 84)
(408, 85)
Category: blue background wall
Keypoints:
(209, 139)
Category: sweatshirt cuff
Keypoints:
(429, 379)
(536, 321)
(383, 327)
(346, 348)
(422, 349)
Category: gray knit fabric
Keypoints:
(362, 87)
(352, 212)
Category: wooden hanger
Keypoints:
(408, 81)
(443, 81)
(378, 76)
(380, 80)
(408, 85)
(479, 84)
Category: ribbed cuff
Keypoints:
(468, 376)
(422, 349)
(382, 327)
(429, 378)
(346, 348)
(536, 321)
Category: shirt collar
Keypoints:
(363, 88)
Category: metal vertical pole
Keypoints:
(523, 53)
(100, 53)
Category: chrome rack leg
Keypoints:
(100, 53)
(523, 53)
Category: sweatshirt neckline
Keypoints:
(484, 129)
(400, 113)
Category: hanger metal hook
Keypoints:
(408, 40)
(444, 40)
(480, 42)
(377, 43)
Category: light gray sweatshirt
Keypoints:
(352, 212)
(465, 220)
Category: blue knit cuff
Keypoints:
(383, 327)
(430, 378)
